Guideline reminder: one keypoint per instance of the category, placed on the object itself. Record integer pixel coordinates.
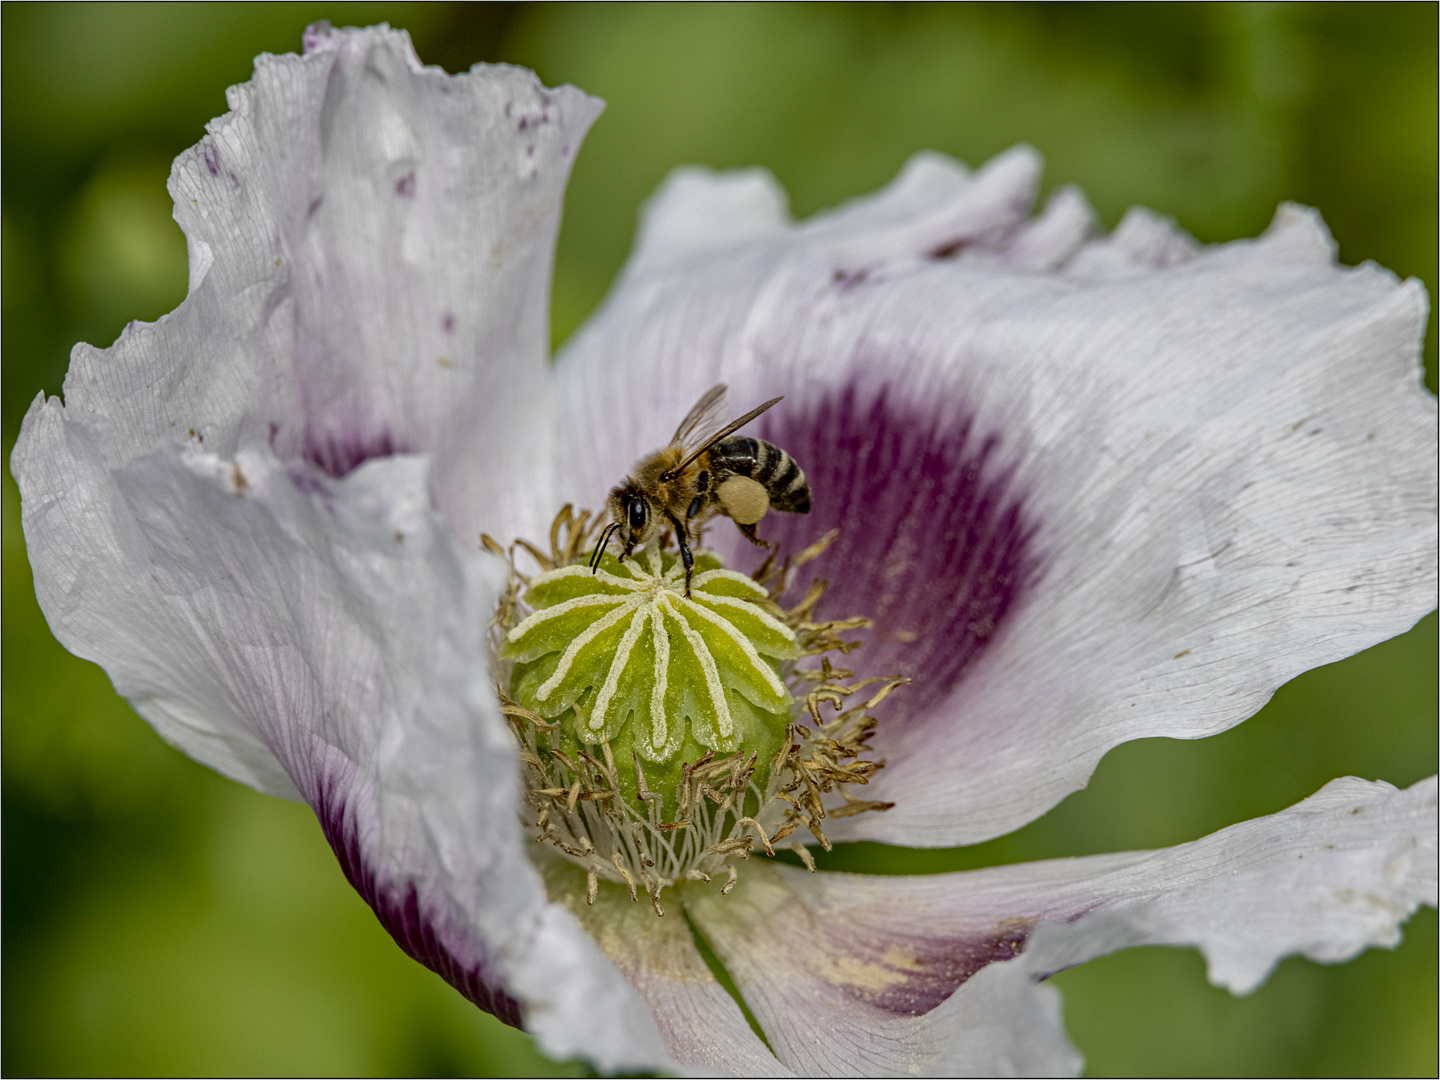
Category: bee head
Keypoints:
(631, 515)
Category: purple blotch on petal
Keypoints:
(447, 323)
(212, 162)
(405, 186)
(318, 37)
(400, 913)
(845, 280)
(933, 968)
(858, 948)
(935, 544)
(305, 481)
(340, 449)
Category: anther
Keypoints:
(726, 847)
(804, 853)
(624, 873)
(764, 840)
(645, 793)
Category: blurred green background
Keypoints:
(158, 919)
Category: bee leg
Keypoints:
(685, 556)
(749, 531)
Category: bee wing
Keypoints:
(734, 425)
(703, 420)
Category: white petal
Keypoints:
(371, 246)
(1142, 241)
(854, 975)
(1328, 878)
(1053, 238)
(327, 642)
(697, 212)
(1081, 507)
(579, 1006)
(704, 1031)
(934, 208)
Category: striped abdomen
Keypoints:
(767, 465)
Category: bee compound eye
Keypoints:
(639, 513)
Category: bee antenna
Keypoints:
(601, 545)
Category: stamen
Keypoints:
(624, 873)
(760, 831)
(804, 853)
(645, 793)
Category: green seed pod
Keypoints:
(624, 657)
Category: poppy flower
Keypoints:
(1079, 488)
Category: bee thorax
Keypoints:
(743, 499)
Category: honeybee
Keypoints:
(701, 473)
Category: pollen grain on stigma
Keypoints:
(663, 737)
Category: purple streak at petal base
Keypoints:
(912, 959)
(400, 913)
(935, 967)
(935, 544)
(340, 452)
